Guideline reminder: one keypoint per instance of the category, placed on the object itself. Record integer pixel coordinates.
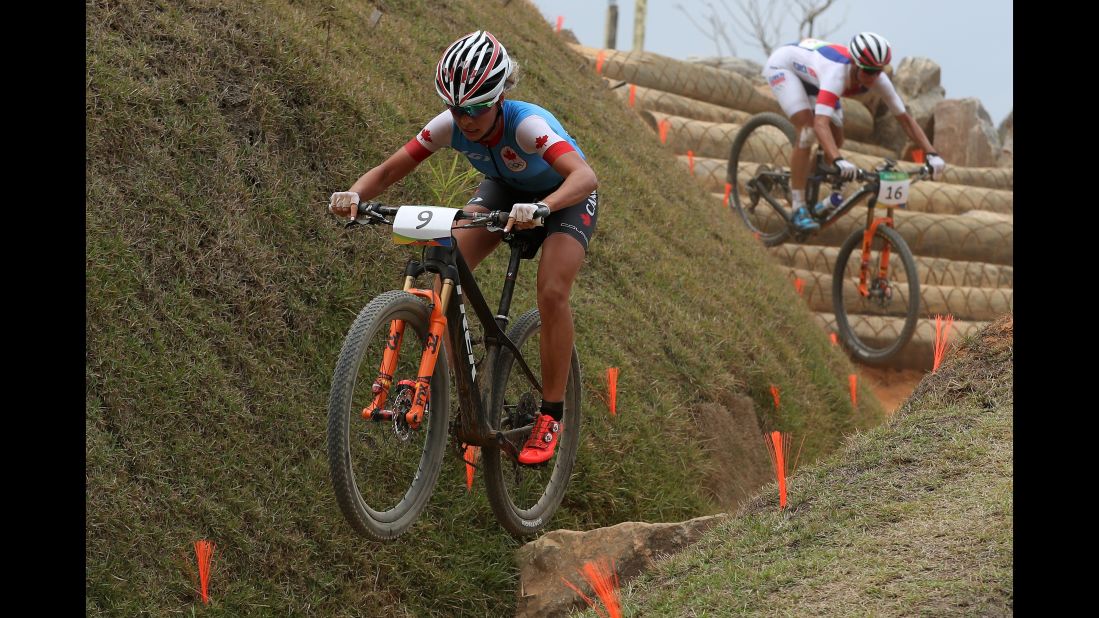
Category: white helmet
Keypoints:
(869, 50)
(473, 70)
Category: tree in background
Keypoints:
(763, 25)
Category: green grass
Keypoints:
(911, 518)
(219, 291)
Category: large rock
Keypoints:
(1007, 148)
(916, 76)
(562, 554)
(964, 134)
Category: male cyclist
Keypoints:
(528, 160)
(830, 71)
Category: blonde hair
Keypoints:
(512, 78)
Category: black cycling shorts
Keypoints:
(577, 220)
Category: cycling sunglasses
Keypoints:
(870, 71)
(473, 111)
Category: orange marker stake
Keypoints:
(204, 550)
(603, 579)
(774, 442)
(728, 190)
(854, 381)
(633, 93)
(917, 155)
(774, 394)
(472, 454)
(942, 334)
(560, 20)
(835, 340)
(664, 124)
(612, 389)
(599, 63)
(691, 161)
(799, 285)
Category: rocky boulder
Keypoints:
(1006, 134)
(964, 133)
(916, 76)
(562, 554)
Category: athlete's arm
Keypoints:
(914, 132)
(431, 138)
(534, 135)
(579, 177)
(828, 99)
(822, 127)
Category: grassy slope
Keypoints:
(218, 293)
(914, 517)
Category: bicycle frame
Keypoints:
(812, 192)
(813, 183)
(450, 318)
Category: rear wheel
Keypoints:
(876, 321)
(383, 472)
(759, 173)
(524, 498)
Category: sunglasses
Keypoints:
(870, 71)
(473, 111)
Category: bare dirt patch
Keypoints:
(891, 386)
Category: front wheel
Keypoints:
(876, 304)
(759, 174)
(383, 471)
(524, 498)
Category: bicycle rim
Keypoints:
(759, 172)
(525, 498)
(383, 472)
(877, 322)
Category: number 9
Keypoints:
(425, 216)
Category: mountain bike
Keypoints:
(875, 273)
(389, 405)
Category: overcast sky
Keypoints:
(970, 39)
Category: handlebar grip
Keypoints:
(541, 212)
(376, 209)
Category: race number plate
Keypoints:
(894, 189)
(423, 225)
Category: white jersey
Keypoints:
(822, 69)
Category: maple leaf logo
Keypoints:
(587, 219)
(510, 155)
(541, 141)
(425, 135)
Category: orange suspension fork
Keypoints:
(389, 363)
(431, 351)
(867, 240)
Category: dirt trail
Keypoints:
(891, 386)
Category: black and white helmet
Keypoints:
(869, 50)
(473, 70)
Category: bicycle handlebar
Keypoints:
(376, 213)
(922, 173)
